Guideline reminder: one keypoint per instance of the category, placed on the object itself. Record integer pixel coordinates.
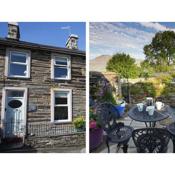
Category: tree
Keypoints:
(161, 51)
(124, 66)
(146, 70)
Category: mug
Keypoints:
(159, 105)
(150, 110)
(149, 101)
(140, 107)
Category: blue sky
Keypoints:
(107, 38)
(49, 33)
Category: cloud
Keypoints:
(109, 38)
(156, 26)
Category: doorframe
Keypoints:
(4, 104)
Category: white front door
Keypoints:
(14, 118)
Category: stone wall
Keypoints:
(101, 80)
(40, 84)
(71, 140)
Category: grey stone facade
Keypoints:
(40, 84)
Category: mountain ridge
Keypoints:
(99, 63)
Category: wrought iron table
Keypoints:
(150, 121)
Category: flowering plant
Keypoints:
(94, 120)
(79, 122)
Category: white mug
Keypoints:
(150, 110)
(159, 105)
(140, 107)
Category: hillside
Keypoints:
(99, 63)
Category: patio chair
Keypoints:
(151, 140)
(116, 132)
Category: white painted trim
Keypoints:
(4, 104)
(7, 61)
(68, 57)
(69, 105)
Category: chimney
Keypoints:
(13, 31)
(72, 42)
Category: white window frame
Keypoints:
(8, 61)
(55, 57)
(69, 104)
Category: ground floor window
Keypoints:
(61, 105)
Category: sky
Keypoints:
(107, 38)
(49, 33)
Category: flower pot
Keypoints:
(82, 129)
(121, 109)
(96, 138)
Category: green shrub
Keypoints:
(108, 97)
(143, 89)
(168, 90)
(79, 122)
(163, 68)
(165, 78)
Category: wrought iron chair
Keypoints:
(116, 132)
(151, 140)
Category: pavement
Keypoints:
(63, 150)
(24, 149)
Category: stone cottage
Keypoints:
(42, 89)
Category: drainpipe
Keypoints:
(1, 122)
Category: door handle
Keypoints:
(5, 109)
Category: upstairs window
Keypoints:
(18, 64)
(61, 67)
(61, 105)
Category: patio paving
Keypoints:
(132, 149)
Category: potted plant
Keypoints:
(120, 105)
(79, 123)
(118, 102)
(96, 131)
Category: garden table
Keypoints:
(150, 121)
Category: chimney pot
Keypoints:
(13, 31)
(72, 42)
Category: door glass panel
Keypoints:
(15, 93)
(15, 103)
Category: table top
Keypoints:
(144, 117)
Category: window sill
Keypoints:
(60, 79)
(11, 77)
(61, 122)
